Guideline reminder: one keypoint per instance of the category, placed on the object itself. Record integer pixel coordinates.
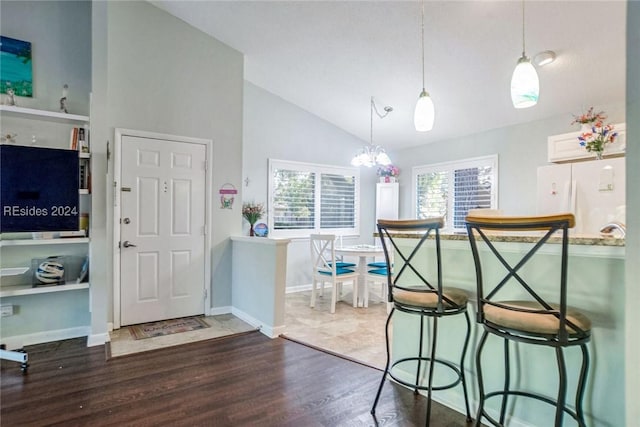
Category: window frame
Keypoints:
(318, 169)
(450, 167)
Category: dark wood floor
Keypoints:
(239, 381)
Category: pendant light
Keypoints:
(525, 86)
(424, 114)
(372, 154)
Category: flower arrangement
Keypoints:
(388, 170)
(595, 139)
(252, 212)
(589, 117)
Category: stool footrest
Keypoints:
(539, 397)
(446, 363)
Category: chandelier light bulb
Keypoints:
(424, 115)
(525, 85)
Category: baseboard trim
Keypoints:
(97, 339)
(19, 341)
(299, 288)
(216, 311)
(268, 330)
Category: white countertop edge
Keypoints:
(260, 240)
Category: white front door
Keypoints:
(162, 229)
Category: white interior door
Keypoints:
(162, 229)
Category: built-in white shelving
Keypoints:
(14, 291)
(43, 114)
(34, 242)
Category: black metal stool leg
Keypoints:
(480, 383)
(432, 365)
(507, 378)
(562, 388)
(415, 390)
(462, 375)
(386, 367)
(582, 381)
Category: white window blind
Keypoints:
(451, 189)
(306, 198)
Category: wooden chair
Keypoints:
(415, 294)
(532, 317)
(325, 269)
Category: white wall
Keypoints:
(521, 149)
(59, 32)
(277, 129)
(633, 217)
(155, 73)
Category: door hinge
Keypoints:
(204, 230)
(205, 293)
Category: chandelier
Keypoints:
(373, 154)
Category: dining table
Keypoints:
(363, 252)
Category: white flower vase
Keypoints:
(387, 179)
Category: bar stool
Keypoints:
(530, 318)
(414, 294)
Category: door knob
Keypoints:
(128, 244)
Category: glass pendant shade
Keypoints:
(525, 86)
(424, 115)
(370, 156)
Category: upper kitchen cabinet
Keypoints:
(566, 147)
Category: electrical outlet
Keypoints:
(6, 310)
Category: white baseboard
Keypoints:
(19, 341)
(216, 311)
(97, 339)
(268, 330)
(299, 288)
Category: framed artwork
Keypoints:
(16, 74)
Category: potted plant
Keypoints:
(252, 212)
(388, 173)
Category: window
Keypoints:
(306, 198)
(451, 189)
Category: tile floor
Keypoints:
(354, 332)
(123, 343)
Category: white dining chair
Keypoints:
(325, 269)
(377, 275)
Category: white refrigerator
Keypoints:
(594, 191)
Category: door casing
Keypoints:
(117, 170)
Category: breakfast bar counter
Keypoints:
(595, 285)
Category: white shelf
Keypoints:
(43, 114)
(84, 155)
(83, 191)
(14, 291)
(13, 271)
(32, 242)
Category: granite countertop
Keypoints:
(573, 240)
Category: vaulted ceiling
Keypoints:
(330, 57)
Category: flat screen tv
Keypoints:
(38, 189)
